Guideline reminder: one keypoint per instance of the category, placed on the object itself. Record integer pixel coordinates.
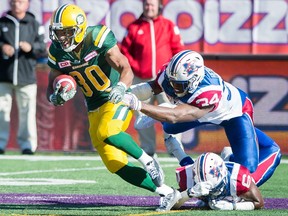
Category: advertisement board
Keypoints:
(208, 26)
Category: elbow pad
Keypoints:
(143, 91)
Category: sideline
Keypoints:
(41, 181)
(51, 171)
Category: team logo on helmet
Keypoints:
(190, 67)
(216, 171)
(80, 19)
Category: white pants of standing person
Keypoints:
(26, 104)
(147, 136)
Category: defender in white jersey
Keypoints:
(223, 185)
(202, 97)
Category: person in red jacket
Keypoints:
(151, 41)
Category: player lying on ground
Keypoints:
(222, 185)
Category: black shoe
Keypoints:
(27, 152)
(2, 151)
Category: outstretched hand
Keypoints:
(132, 101)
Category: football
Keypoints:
(64, 80)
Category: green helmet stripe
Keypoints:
(59, 12)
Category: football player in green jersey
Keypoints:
(91, 56)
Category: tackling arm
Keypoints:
(181, 113)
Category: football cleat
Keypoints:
(156, 173)
(168, 201)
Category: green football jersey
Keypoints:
(89, 68)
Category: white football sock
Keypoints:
(145, 158)
(164, 190)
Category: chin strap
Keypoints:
(71, 48)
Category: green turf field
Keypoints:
(67, 176)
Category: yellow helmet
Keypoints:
(68, 26)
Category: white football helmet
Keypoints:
(211, 168)
(185, 71)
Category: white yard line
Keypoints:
(78, 158)
(66, 158)
(49, 158)
(41, 181)
(50, 171)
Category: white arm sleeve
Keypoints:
(143, 91)
(244, 206)
(226, 205)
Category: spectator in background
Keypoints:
(151, 41)
(21, 41)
